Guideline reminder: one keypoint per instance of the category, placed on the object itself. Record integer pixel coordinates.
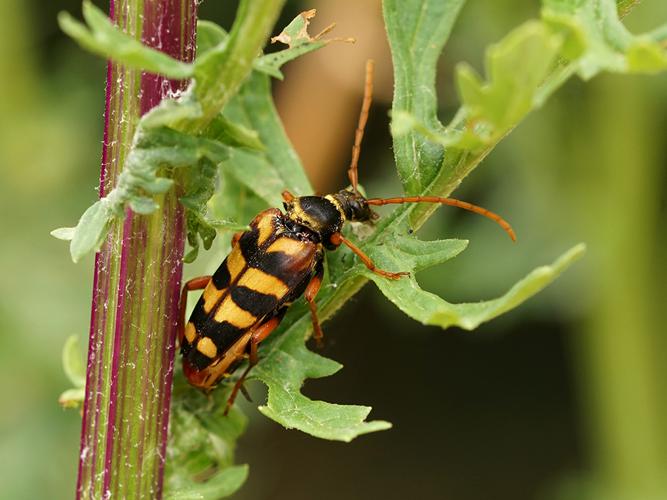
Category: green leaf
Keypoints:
(299, 41)
(191, 254)
(607, 43)
(221, 485)
(515, 67)
(523, 69)
(407, 253)
(73, 362)
(63, 233)
(417, 31)
(72, 398)
(230, 133)
(220, 71)
(170, 112)
(199, 186)
(159, 147)
(102, 37)
(284, 369)
(296, 32)
(286, 363)
(249, 168)
(226, 225)
(143, 205)
(276, 168)
(202, 443)
(91, 230)
(646, 56)
(234, 201)
(153, 150)
(75, 370)
(430, 309)
(200, 226)
(209, 36)
(403, 123)
(271, 63)
(571, 32)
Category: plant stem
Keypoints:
(136, 285)
(139, 268)
(620, 350)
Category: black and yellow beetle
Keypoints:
(271, 265)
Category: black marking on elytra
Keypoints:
(280, 313)
(221, 278)
(222, 334)
(198, 359)
(256, 303)
(199, 316)
(248, 245)
(287, 268)
(186, 347)
(298, 290)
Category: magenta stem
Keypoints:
(136, 283)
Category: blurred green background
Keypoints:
(564, 398)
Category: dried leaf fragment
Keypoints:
(296, 32)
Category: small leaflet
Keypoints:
(296, 32)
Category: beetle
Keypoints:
(275, 262)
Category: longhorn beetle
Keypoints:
(272, 264)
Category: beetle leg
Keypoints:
(257, 336)
(310, 293)
(198, 283)
(246, 394)
(337, 238)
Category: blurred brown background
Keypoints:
(564, 398)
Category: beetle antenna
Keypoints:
(352, 172)
(451, 202)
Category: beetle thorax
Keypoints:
(325, 215)
(318, 213)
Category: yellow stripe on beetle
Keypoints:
(235, 262)
(211, 296)
(233, 314)
(190, 332)
(207, 347)
(287, 246)
(336, 204)
(262, 282)
(302, 216)
(265, 227)
(218, 369)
